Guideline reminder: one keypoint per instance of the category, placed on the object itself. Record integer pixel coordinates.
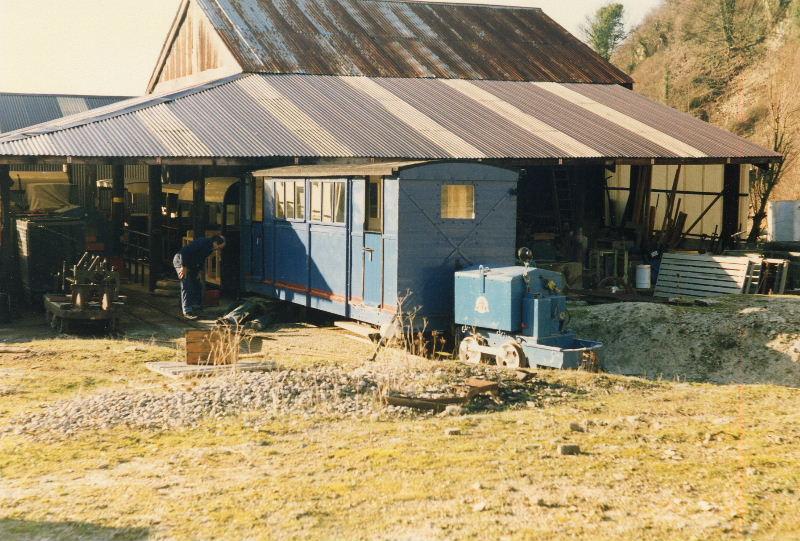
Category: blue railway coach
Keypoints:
(355, 240)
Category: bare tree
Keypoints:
(605, 30)
(728, 34)
(737, 26)
(783, 110)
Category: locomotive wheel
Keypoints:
(468, 351)
(511, 356)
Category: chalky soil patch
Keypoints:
(747, 339)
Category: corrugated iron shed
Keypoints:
(259, 116)
(22, 110)
(389, 38)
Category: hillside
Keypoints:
(734, 63)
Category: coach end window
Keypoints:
(458, 202)
(374, 206)
(258, 200)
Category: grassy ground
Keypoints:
(660, 461)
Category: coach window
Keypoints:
(258, 200)
(458, 202)
(280, 200)
(328, 201)
(374, 207)
(316, 201)
(290, 200)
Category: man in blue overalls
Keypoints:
(188, 264)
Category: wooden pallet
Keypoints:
(694, 275)
(768, 276)
(177, 369)
(359, 329)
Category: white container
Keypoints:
(783, 221)
(643, 277)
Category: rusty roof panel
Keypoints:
(452, 110)
(389, 38)
(573, 121)
(261, 115)
(329, 100)
(682, 126)
(22, 110)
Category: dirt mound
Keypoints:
(740, 339)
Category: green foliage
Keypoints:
(605, 30)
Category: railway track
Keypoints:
(166, 320)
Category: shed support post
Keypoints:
(89, 189)
(199, 203)
(117, 207)
(730, 205)
(6, 249)
(74, 194)
(154, 224)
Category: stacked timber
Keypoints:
(696, 275)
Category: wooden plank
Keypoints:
(670, 292)
(176, 369)
(201, 344)
(701, 277)
(435, 404)
(358, 329)
(705, 257)
(709, 266)
(703, 287)
(781, 280)
(701, 280)
(705, 265)
(155, 246)
(712, 280)
(14, 349)
(697, 287)
(703, 271)
(708, 279)
(722, 282)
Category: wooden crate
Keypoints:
(695, 275)
(207, 347)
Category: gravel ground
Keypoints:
(322, 390)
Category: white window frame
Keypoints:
(280, 187)
(326, 186)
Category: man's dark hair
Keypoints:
(218, 239)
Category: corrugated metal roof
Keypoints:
(22, 110)
(260, 116)
(336, 170)
(380, 38)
